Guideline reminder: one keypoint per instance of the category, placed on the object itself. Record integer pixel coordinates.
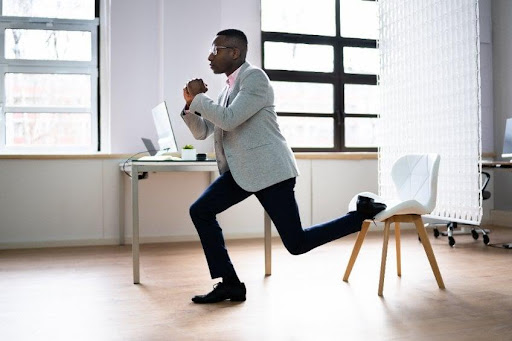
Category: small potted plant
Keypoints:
(188, 152)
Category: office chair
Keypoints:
(415, 178)
(451, 226)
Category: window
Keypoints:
(49, 76)
(323, 62)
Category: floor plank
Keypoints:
(86, 293)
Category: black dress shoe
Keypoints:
(221, 292)
(368, 207)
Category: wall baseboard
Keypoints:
(194, 238)
(504, 217)
(115, 241)
(59, 243)
(501, 218)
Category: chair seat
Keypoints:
(394, 207)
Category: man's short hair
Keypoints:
(233, 33)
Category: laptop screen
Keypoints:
(149, 146)
(166, 139)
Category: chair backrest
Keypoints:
(415, 178)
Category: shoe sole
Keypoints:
(237, 299)
(232, 299)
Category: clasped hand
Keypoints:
(192, 88)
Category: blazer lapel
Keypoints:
(236, 86)
(222, 97)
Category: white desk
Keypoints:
(503, 165)
(136, 168)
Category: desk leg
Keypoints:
(122, 203)
(135, 224)
(268, 245)
(213, 176)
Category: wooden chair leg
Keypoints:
(384, 255)
(428, 250)
(398, 250)
(355, 250)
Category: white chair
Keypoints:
(415, 179)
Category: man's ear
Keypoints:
(236, 53)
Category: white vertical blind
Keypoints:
(430, 97)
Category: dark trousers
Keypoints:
(279, 202)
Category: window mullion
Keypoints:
(360, 79)
(38, 110)
(362, 115)
(297, 38)
(301, 76)
(338, 96)
(339, 134)
(48, 21)
(295, 114)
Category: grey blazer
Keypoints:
(247, 138)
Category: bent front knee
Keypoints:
(195, 210)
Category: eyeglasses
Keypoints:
(215, 48)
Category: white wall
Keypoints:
(84, 202)
(54, 202)
(502, 76)
(486, 76)
(134, 73)
(157, 46)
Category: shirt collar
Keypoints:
(232, 77)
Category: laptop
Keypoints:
(166, 139)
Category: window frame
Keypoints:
(54, 67)
(338, 78)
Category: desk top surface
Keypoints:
(170, 166)
(173, 161)
(496, 164)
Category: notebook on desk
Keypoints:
(156, 155)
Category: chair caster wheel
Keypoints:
(486, 239)
(451, 241)
(474, 234)
(436, 232)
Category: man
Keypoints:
(253, 158)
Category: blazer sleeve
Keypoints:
(198, 126)
(250, 99)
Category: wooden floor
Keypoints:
(86, 293)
